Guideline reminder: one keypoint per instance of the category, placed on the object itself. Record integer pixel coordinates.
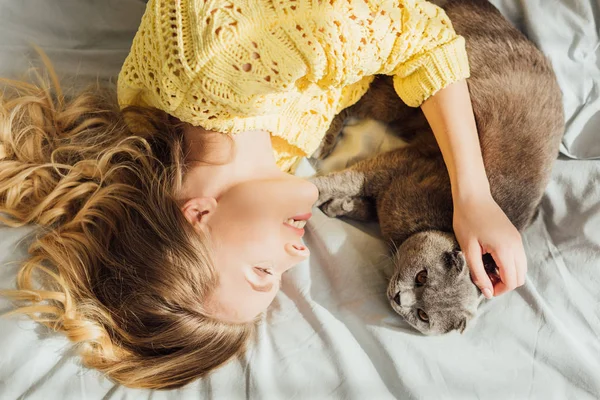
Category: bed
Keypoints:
(330, 332)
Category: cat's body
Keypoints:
(518, 109)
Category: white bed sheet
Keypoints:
(330, 332)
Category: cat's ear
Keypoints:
(455, 260)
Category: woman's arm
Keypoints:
(479, 223)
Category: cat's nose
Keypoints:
(405, 298)
(397, 299)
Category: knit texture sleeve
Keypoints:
(428, 54)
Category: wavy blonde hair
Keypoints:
(114, 265)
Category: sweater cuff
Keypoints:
(421, 77)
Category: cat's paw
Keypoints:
(338, 207)
(331, 205)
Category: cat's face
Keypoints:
(431, 287)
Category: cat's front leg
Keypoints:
(339, 185)
(349, 192)
(358, 208)
(364, 179)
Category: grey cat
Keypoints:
(519, 114)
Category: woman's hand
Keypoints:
(482, 227)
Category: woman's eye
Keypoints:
(423, 315)
(267, 271)
(421, 278)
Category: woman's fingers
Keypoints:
(505, 261)
(478, 274)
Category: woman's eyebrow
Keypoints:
(263, 288)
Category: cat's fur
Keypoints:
(519, 114)
(359, 139)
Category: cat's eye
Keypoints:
(421, 278)
(422, 315)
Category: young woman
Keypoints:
(168, 222)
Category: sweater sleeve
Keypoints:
(428, 56)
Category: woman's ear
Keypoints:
(199, 210)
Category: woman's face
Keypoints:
(256, 229)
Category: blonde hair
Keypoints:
(114, 265)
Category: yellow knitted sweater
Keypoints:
(285, 66)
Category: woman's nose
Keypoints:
(314, 193)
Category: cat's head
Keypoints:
(431, 287)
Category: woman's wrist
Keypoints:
(470, 186)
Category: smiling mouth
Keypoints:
(298, 223)
(295, 223)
